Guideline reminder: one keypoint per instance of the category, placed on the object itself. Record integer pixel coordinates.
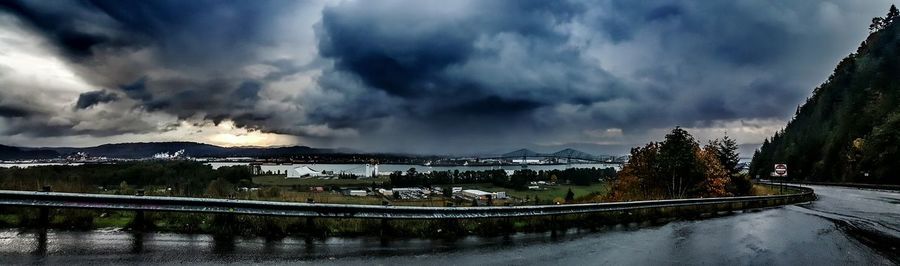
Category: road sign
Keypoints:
(780, 170)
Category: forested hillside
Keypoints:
(15, 153)
(849, 129)
(193, 149)
(148, 149)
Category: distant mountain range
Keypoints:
(745, 150)
(591, 148)
(16, 153)
(148, 149)
(194, 149)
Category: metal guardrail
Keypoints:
(888, 187)
(253, 207)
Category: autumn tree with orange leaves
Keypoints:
(715, 175)
(675, 168)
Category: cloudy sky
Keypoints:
(413, 76)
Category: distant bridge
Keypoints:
(567, 154)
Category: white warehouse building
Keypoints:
(479, 194)
(475, 194)
(303, 172)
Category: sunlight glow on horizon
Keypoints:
(234, 136)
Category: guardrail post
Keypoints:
(44, 212)
(310, 223)
(509, 226)
(553, 226)
(139, 214)
(385, 226)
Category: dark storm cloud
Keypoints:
(378, 46)
(494, 105)
(32, 120)
(446, 65)
(217, 98)
(488, 62)
(195, 32)
(186, 34)
(92, 98)
(63, 23)
(694, 63)
(247, 93)
(13, 111)
(464, 72)
(205, 42)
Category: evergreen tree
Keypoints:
(891, 15)
(726, 151)
(877, 24)
(678, 162)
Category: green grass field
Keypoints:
(280, 180)
(329, 197)
(9, 220)
(548, 193)
(766, 190)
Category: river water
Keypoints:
(26, 165)
(360, 169)
(825, 232)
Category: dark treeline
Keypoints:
(849, 130)
(518, 180)
(188, 178)
(184, 177)
(15, 153)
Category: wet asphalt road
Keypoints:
(845, 226)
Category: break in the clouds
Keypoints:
(417, 76)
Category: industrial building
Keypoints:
(303, 172)
(483, 195)
(475, 194)
(358, 193)
(371, 170)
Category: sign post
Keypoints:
(781, 172)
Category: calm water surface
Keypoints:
(26, 165)
(386, 168)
